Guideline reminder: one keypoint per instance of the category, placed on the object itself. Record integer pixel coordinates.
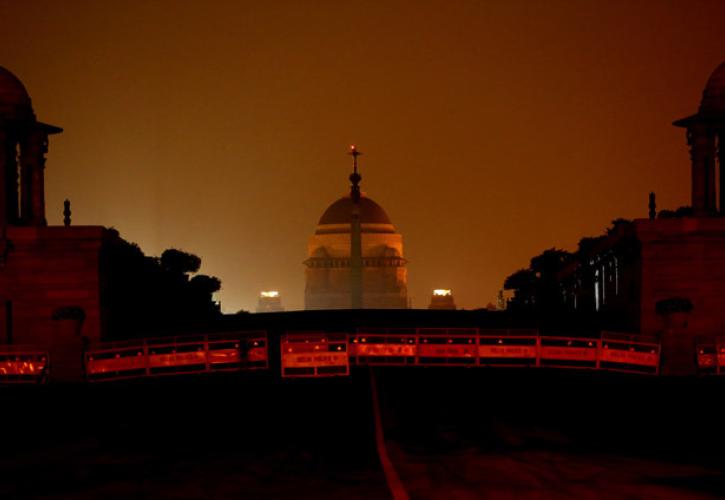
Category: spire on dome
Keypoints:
(355, 178)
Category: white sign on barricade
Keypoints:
(314, 355)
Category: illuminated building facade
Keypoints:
(269, 301)
(442, 299)
(355, 258)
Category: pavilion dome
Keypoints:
(340, 212)
(337, 218)
(14, 99)
(713, 98)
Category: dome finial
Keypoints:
(355, 178)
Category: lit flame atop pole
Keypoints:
(441, 292)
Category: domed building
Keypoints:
(23, 142)
(355, 258)
(50, 283)
(642, 276)
(15, 105)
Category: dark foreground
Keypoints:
(211, 437)
(451, 434)
(555, 434)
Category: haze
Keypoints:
(491, 130)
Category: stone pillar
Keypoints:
(721, 162)
(677, 356)
(10, 192)
(710, 168)
(702, 155)
(356, 261)
(68, 345)
(3, 204)
(33, 161)
(26, 174)
(356, 264)
(38, 184)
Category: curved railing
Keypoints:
(320, 354)
(177, 355)
(332, 354)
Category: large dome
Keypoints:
(14, 99)
(713, 98)
(340, 212)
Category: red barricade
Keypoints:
(706, 358)
(629, 355)
(23, 365)
(505, 350)
(380, 349)
(177, 355)
(568, 352)
(447, 348)
(314, 355)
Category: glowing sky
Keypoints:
(491, 130)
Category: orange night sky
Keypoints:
(491, 130)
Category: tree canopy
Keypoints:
(537, 288)
(144, 295)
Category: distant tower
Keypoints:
(706, 137)
(356, 285)
(355, 258)
(442, 299)
(500, 301)
(269, 301)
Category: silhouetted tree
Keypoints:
(587, 245)
(144, 295)
(179, 263)
(537, 288)
(616, 224)
(522, 284)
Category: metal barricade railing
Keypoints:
(20, 364)
(318, 354)
(177, 355)
(504, 347)
(314, 354)
(383, 349)
(568, 352)
(707, 358)
(521, 349)
(629, 353)
(720, 355)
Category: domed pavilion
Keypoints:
(23, 143)
(706, 138)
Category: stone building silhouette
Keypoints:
(46, 272)
(269, 301)
(656, 259)
(355, 258)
